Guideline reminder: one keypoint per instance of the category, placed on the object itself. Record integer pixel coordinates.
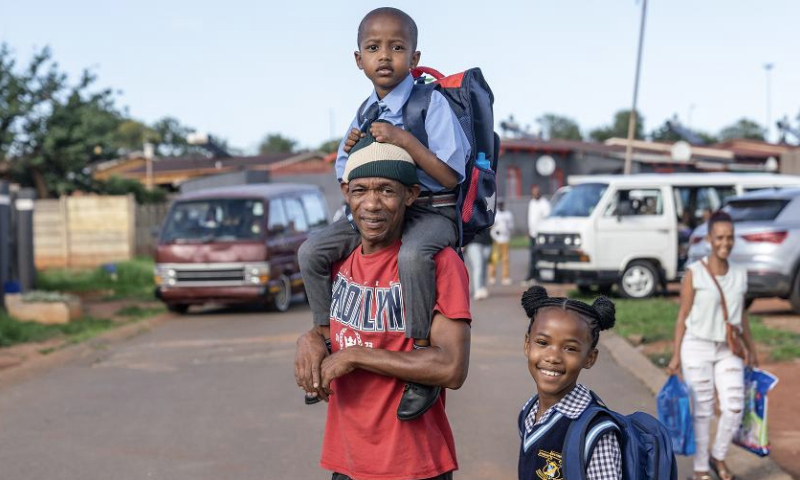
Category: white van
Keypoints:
(633, 230)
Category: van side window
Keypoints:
(636, 202)
(295, 215)
(277, 217)
(315, 210)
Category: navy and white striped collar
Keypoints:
(571, 406)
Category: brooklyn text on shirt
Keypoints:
(368, 309)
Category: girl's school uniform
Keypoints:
(542, 442)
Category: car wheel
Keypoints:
(584, 289)
(794, 295)
(283, 297)
(179, 308)
(639, 280)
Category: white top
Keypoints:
(538, 210)
(705, 319)
(503, 226)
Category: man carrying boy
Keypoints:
(387, 42)
(370, 357)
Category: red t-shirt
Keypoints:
(363, 437)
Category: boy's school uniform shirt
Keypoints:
(606, 461)
(446, 138)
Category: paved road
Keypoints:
(212, 395)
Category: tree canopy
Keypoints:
(619, 127)
(743, 128)
(559, 127)
(276, 143)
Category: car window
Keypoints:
(295, 215)
(693, 205)
(315, 210)
(755, 210)
(277, 216)
(579, 200)
(636, 202)
(217, 220)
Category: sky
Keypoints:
(242, 69)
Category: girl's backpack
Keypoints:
(471, 100)
(644, 443)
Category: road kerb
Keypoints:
(745, 464)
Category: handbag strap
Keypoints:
(721, 295)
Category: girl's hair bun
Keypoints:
(531, 299)
(606, 312)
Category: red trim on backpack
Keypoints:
(453, 81)
(419, 71)
(469, 200)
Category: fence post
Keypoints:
(26, 270)
(5, 235)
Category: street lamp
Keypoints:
(632, 119)
(768, 69)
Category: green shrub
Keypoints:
(133, 279)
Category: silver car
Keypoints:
(767, 227)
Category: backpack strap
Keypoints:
(582, 436)
(416, 110)
(360, 114)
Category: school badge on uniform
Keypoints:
(552, 468)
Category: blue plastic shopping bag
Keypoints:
(674, 411)
(752, 434)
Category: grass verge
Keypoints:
(651, 322)
(133, 279)
(13, 331)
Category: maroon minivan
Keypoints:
(236, 244)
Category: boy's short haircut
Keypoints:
(408, 22)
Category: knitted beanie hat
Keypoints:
(370, 158)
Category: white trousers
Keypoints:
(707, 364)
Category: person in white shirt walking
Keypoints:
(501, 234)
(538, 210)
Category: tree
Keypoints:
(665, 134)
(330, 146)
(171, 138)
(744, 128)
(51, 131)
(131, 135)
(276, 143)
(556, 126)
(619, 127)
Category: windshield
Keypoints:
(754, 210)
(579, 200)
(216, 220)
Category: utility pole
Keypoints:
(632, 119)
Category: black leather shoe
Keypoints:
(416, 400)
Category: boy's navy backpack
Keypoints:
(644, 442)
(471, 100)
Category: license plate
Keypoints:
(547, 274)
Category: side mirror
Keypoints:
(155, 231)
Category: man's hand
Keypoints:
(335, 366)
(310, 353)
(352, 138)
(388, 133)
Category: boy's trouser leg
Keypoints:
(316, 256)
(427, 230)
